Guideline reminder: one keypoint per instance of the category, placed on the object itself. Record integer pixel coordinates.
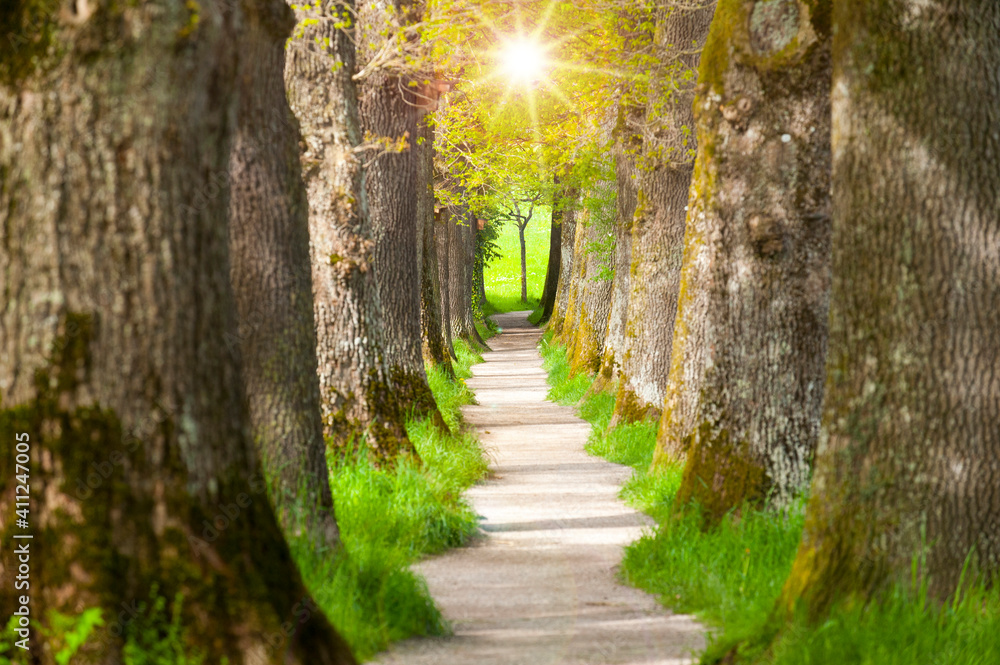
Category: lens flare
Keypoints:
(524, 60)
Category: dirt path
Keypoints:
(540, 587)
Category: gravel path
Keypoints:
(539, 588)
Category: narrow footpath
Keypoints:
(539, 587)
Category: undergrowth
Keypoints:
(390, 519)
(731, 576)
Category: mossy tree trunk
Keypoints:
(746, 381)
(468, 234)
(665, 168)
(269, 246)
(593, 293)
(627, 144)
(567, 237)
(114, 265)
(575, 287)
(355, 383)
(436, 344)
(442, 237)
(636, 31)
(389, 111)
(909, 461)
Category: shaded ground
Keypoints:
(539, 588)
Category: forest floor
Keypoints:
(539, 586)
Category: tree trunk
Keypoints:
(355, 384)
(658, 225)
(907, 468)
(388, 109)
(459, 277)
(575, 288)
(269, 245)
(435, 343)
(566, 283)
(524, 264)
(460, 249)
(594, 290)
(746, 383)
(469, 236)
(549, 291)
(627, 145)
(116, 374)
(442, 236)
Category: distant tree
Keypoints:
(117, 376)
(909, 460)
(554, 263)
(746, 382)
(521, 210)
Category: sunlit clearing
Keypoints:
(523, 61)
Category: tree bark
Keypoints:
(626, 146)
(442, 235)
(909, 462)
(269, 246)
(469, 235)
(746, 383)
(524, 263)
(549, 291)
(355, 381)
(658, 224)
(594, 289)
(116, 372)
(575, 287)
(435, 342)
(566, 284)
(463, 326)
(388, 110)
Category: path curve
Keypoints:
(540, 588)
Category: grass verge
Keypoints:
(390, 519)
(731, 576)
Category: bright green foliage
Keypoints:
(500, 136)
(391, 518)
(72, 631)
(487, 252)
(156, 635)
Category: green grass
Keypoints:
(731, 576)
(390, 519)
(503, 276)
(903, 629)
